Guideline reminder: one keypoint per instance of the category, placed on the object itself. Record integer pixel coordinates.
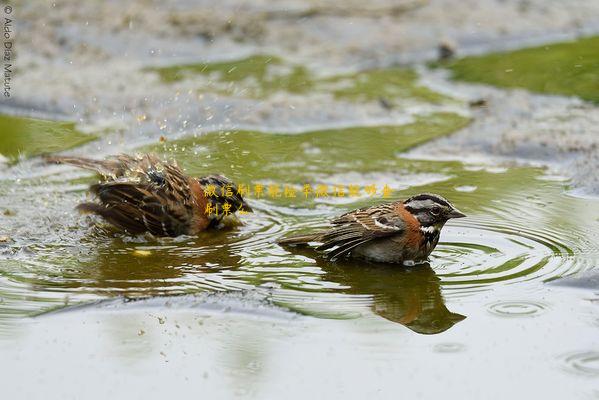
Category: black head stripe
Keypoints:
(429, 196)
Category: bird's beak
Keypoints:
(455, 213)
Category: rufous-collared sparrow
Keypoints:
(145, 194)
(404, 232)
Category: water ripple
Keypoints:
(449, 348)
(512, 240)
(585, 363)
(483, 252)
(522, 308)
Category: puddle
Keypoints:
(515, 234)
(254, 156)
(26, 137)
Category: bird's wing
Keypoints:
(360, 226)
(159, 202)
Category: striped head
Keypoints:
(431, 210)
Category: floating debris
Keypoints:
(478, 103)
(142, 253)
(446, 50)
(385, 103)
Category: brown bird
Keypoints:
(404, 232)
(145, 194)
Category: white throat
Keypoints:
(428, 229)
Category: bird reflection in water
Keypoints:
(408, 296)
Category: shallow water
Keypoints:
(515, 233)
(483, 296)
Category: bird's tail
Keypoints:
(301, 240)
(81, 162)
(92, 208)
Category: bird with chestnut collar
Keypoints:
(402, 232)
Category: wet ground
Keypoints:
(304, 93)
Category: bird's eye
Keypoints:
(435, 210)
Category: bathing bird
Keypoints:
(401, 232)
(142, 193)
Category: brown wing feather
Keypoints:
(143, 194)
(139, 208)
(361, 226)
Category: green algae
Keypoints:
(29, 137)
(569, 68)
(245, 155)
(229, 71)
(389, 83)
(261, 75)
(254, 76)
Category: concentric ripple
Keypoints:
(484, 252)
(586, 362)
(522, 308)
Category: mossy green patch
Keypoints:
(29, 136)
(254, 76)
(388, 84)
(570, 68)
(260, 75)
(252, 155)
(230, 71)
